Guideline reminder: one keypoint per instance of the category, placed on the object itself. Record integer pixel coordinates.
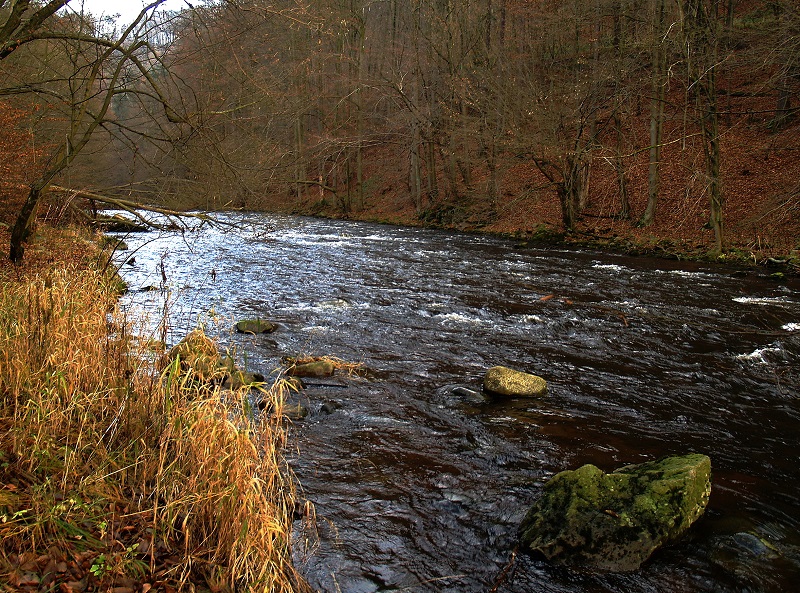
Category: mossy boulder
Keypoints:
(505, 381)
(295, 411)
(613, 522)
(196, 354)
(255, 326)
(199, 358)
(316, 368)
(234, 377)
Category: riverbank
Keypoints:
(775, 258)
(113, 477)
(761, 210)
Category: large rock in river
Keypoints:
(614, 522)
(505, 381)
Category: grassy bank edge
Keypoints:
(114, 475)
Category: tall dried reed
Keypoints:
(113, 473)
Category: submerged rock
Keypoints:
(614, 522)
(255, 326)
(295, 411)
(238, 379)
(329, 407)
(753, 559)
(504, 381)
(469, 395)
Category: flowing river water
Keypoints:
(420, 486)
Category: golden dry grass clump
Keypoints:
(112, 475)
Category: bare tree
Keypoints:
(657, 97)
(785, 55)
(701, 42)
(105, 69)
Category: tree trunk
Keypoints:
(491, 163)
(465, 163)
(299, 174)
(729, 14)
(712, 145)
(702, 44)
(565, 178)
(783, 107)
(24, 223)
(658, 88)
(414, 173)
(715, 185)
(430, 158)
(577, 173)
(619, 167)
(569, 190)
(361, 70)
(451, 167)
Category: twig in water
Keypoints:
(507, 569)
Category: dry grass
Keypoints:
(115, 475)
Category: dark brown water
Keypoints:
(420, 488)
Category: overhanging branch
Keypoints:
(135, 208)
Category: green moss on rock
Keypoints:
(614, 522)
(197, 354)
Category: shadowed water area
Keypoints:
(420, 488)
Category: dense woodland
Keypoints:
(670, 123)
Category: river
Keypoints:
(420, 488)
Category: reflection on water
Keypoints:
(418, 487)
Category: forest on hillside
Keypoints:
(663, 120)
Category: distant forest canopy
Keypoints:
(545, 113)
